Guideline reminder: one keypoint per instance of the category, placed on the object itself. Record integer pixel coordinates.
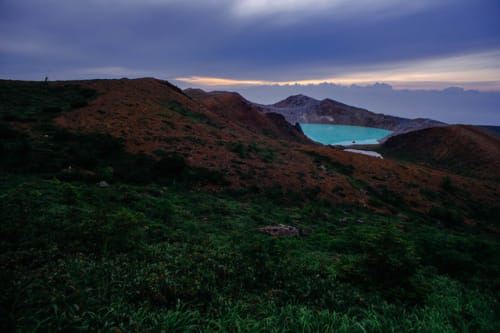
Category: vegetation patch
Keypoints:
(252, 150)
(328, 163)
(37, 101)
(447, 184)
(193, 116)
(448, 216)
(75, 256)
(92, 157)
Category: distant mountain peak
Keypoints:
(297, 101)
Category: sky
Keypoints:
(250, 44)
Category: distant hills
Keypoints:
(452, 105)
(304, 109)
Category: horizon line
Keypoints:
(208, 82)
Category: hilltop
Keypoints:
(304, 109)
(463, 149)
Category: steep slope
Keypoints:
(464, 149)
(303, 109)
(143, 112)
(233, 107)
(156, 118)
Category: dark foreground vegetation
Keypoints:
(148, 253)
(77, 257)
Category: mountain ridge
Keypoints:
(305, 109)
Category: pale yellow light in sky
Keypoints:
(217, 81)
(476, 71)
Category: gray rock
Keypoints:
(103, 184)
(283, 230)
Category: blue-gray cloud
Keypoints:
(240, 39)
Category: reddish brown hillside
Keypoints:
(464, 149)
(234, 107)
(152, 115)
(220, 132)
(144, 112)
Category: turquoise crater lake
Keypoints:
(343, 134)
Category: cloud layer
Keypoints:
(426, 43)
(471, 70)
(279, 40)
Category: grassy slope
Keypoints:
(75, 256)
(149, 253)
(468, 150)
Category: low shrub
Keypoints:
(447, 184)
(448, 216)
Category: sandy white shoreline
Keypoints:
(364, 152)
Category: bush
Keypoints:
(329, 163)
(40, 101)
(449, 217)
(388, 261)
(7, 133)
(447, 184)
(170, 165)
(20, 216)
(52, 109)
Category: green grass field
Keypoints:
(77, 257)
